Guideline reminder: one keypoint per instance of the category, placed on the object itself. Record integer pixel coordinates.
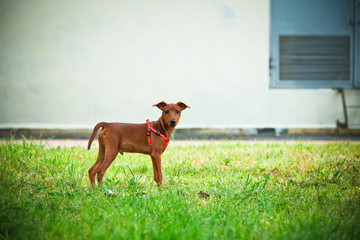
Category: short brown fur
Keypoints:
(128, 137)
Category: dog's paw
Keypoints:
(203, 195)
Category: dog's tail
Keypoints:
(96, 129)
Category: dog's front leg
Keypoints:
(156, 161)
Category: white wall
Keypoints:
(73, 63)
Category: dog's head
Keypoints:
(171, 112)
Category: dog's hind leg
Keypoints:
(100, 159)
(110, 155)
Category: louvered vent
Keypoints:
(315, 58)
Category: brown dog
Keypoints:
(147, 138)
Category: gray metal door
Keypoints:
(314, 43)
(357, 43)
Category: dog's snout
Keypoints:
(172, 122)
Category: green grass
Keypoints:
(274, 191)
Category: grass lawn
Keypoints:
(262, 191)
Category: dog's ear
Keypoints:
(160, 105)
(182, 105)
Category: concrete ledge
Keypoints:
(200, 134)
(268, 134)
(46, 133)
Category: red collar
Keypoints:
(150, 129)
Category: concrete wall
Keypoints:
(70, 64)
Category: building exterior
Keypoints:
(237, 64)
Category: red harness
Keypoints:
(150, 129)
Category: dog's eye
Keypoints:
(167, 112)
(177, 112)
